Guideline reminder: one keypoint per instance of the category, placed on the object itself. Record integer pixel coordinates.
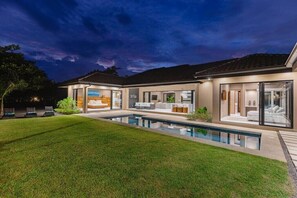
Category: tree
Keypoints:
(111, 70)
(17, 73)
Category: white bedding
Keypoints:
(96, 103)
(272, 115)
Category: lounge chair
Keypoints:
(48, 111)
(31, 112)
(8, 113)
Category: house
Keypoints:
(255, 90)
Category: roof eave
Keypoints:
(243, 73)
(292, 57)
(161, 83)
(91, 83)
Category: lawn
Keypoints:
(72, 156)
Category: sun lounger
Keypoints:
(30, 113)
(49, 111)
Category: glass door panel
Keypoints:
(116, 100)
(278, 101)
(146, 96)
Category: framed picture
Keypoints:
(93, 92)
(154, 97)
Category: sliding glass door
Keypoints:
(146, 96)
(116, 100)
(259, 103)
(276, 100)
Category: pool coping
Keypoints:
(291, 166)
(270, 143)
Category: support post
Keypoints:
(85, 102)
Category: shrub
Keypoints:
(200, 114)
(67, 106)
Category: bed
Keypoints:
(272, 115)
(96, 104)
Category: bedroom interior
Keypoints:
(99, 99)
(257, 103)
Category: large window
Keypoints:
(176, 101)
(262, 103)
(78, 97)
(98, 99)
(169, 97)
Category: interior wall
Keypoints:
(164, 88)
(224, 103)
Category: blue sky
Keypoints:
(72, 37)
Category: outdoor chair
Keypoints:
(48, 111)
(30, 113)
(8, 113)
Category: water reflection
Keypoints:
(251, 141)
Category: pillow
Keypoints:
(274, 109)
(98, 101)
(280, 110)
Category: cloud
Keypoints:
(69, 36)
(141, 65)
(135, 69)
(47, 14)
(106, 63)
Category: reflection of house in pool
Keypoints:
(253, 90)
(239, 139)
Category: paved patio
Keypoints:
(270, 143)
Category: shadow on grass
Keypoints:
(3, 143)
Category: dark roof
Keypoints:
(97, 77)
(179, 73)
(263, 63)
(251, 64)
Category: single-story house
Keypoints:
(256, 90)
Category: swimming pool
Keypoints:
(224, 136)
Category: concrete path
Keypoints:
(290, 139)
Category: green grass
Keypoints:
(73, 156)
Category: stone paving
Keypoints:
(290, 139)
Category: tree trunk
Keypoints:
(7, 91)
(1, 107)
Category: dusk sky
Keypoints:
(69, 38)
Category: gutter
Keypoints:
(241, 72)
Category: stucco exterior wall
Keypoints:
(249, 79)
(205, 95)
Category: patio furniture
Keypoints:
(48, 111)
(144, 105)
(8, 113)
(30, 112)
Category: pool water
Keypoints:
(224, 136)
